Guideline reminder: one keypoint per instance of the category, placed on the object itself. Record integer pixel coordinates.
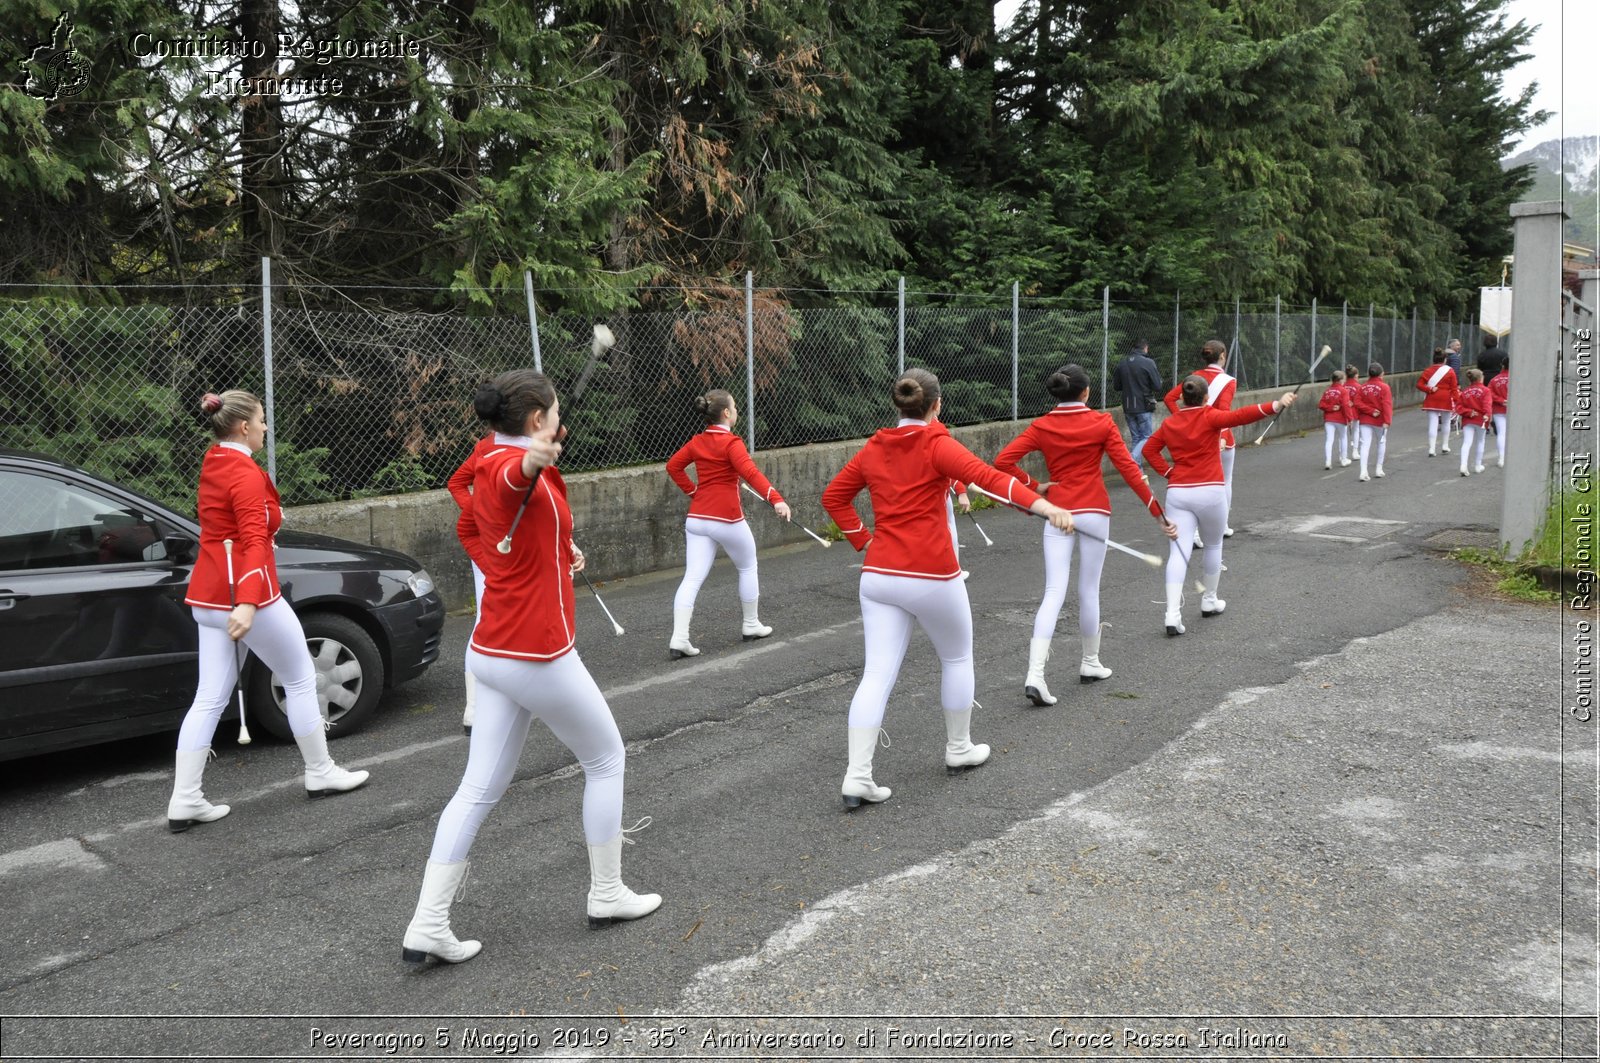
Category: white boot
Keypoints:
(1378, 472)
(1210, 604)
(858, 785)
(609, 900)
(1090, 670)
(472, 704)
(323, 776)
(429, 933)
(1197, 540)
(680, 646)
(753, 627)
(188, 805)
(1174, 619)
(1033, 683)
(959, 751)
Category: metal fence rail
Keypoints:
(379, 402)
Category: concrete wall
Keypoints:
(630, 521)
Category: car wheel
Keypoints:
(349, 678)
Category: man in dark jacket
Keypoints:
(1139, 381)
(1492, 358)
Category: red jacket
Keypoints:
(720, 459)
(1500, 390)
(1190, 436)
(1073, 439)
(1334, 405)
(237, 501)
(527, 611)
(1375, 402)
(1475, 405)
(1352, 397)
(1222, 387)
(460, 487)
(1443, 395)
(907, 470)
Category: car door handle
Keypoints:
(7, 599)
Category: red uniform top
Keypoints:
(527, 611)
(720, 459)
(237, 501)
(1375, 402)
(1219, 393)
(460, 487)
(1475, 404)
(1334, 405)
(907, 470)
(1445, 387)
(1072, 439)
(1352, 397)
(1500, 390)
(1190, 436)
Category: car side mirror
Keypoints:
(180, 548)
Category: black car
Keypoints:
(96, 643)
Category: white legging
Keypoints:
(1227, 483)
(1058, 571)
(1367, 433)
(702, 537)
(510, 694)
(1469, 434)
(1189, 508)
(1500, 435)
(950, 512)
(1438, 419)
(889, 604)
(1330, 433)
(279, 642)
(477, 614)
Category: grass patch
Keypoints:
(1512, 579)
(1557, 544)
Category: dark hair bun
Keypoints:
(210, 402)
(488, 403)
(702, 404)
(907, 390)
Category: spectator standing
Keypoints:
(1139, 382)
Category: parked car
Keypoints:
(96, 643)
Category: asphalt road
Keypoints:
(295, 908)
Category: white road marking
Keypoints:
(731, 662)
(68, 853)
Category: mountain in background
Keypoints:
(1578, 160)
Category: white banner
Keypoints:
(1494, 311)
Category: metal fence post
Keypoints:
(533, 320)
(266, 348)
(1394, 338)
(750, 359)
(1177, 320)
(1344, 331)
(1411, 361)
(1016, 337)
(1313, 354)
(1277, 332)
(1105, 339)
(1238, 350)
(901, 328)
(1369, 331)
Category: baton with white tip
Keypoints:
(1310, 376)
(986, 540)
(615, 627)
(825, 543)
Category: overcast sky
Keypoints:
(1561, 26)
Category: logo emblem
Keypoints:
(57, 70)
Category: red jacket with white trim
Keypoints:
(1352, 395)
(528, 610)
(1475, 404)
(1443, 394)
(1375, 402)
(1190, 436)
(460, 487)
(1500, 390)
(236, 501)
(1333, 405)
(1073, 439)
(1222, 387)
(906, 471)
(720, 460)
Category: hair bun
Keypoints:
(210, 402)
(702, 404)
(907, 389)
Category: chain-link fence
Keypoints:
(379, 402)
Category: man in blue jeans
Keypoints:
(1139, 381)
